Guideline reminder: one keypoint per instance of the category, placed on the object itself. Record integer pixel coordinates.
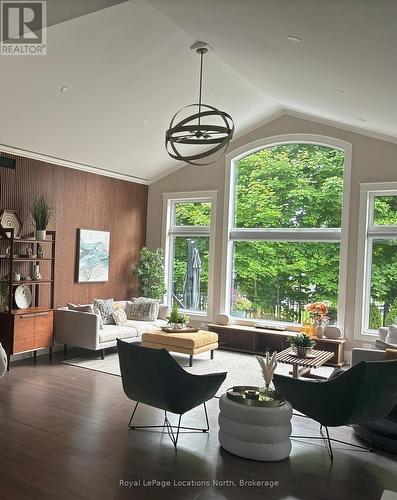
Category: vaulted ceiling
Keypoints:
(129, 68)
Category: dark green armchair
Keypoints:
(153, 377)
(363, 393)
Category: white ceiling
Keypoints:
(132, 62)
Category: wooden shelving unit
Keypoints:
(31, 329)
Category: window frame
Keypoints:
(231, 233)
(170, 231)
(367, 232)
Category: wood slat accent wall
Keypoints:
(81, 200)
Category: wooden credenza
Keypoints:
(26, 330)
(259, 340)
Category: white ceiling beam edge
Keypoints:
(71, 164)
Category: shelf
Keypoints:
(32, 282)
(26, 240)
(31, 310)
(26, 259)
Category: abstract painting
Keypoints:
(93, 256)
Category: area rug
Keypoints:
(242, 369)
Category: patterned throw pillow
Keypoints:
(143, 309)
(119, 316)
(105, 307)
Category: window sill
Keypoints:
(265, 323)
(366, 336)
(196, 315)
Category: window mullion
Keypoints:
(189, 231)
(382, 231)
(286, 234)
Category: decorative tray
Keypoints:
(255, 396)
(187, 329)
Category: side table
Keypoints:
(258, 433)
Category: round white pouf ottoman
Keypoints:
(255, 432)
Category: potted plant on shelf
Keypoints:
(150, 273)
(301, 344)
(41, 213)
(176, 319)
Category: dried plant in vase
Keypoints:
(268, 366)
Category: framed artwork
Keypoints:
(93, 256)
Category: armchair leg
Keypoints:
(102, 353)
(174, 436)
(328, 441)
(65, 351)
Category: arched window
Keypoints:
(285, 231)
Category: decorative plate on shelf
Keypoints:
(23, 297)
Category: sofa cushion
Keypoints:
(392, 335)
(144, 326)
(105, 307)
(390, 354)
(113, 332)
(143, 309)
(88, 308)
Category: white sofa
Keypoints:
(82, 329)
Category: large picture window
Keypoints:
(189, 250)
(285, 232)
(377, 268)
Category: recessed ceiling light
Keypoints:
(64, 89)
(339, 91)
(293, 39)
(144, 121)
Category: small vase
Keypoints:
(40, 234)
(319, 332)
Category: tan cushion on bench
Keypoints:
(191, 341)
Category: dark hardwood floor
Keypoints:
(64, 435)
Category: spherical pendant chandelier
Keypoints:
(196, 139)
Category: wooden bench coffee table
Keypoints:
(301, 366)
(185, 343)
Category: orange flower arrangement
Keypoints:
(318, 311)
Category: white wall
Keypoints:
(373, 160)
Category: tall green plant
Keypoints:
(41, 212)
(150, 273)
